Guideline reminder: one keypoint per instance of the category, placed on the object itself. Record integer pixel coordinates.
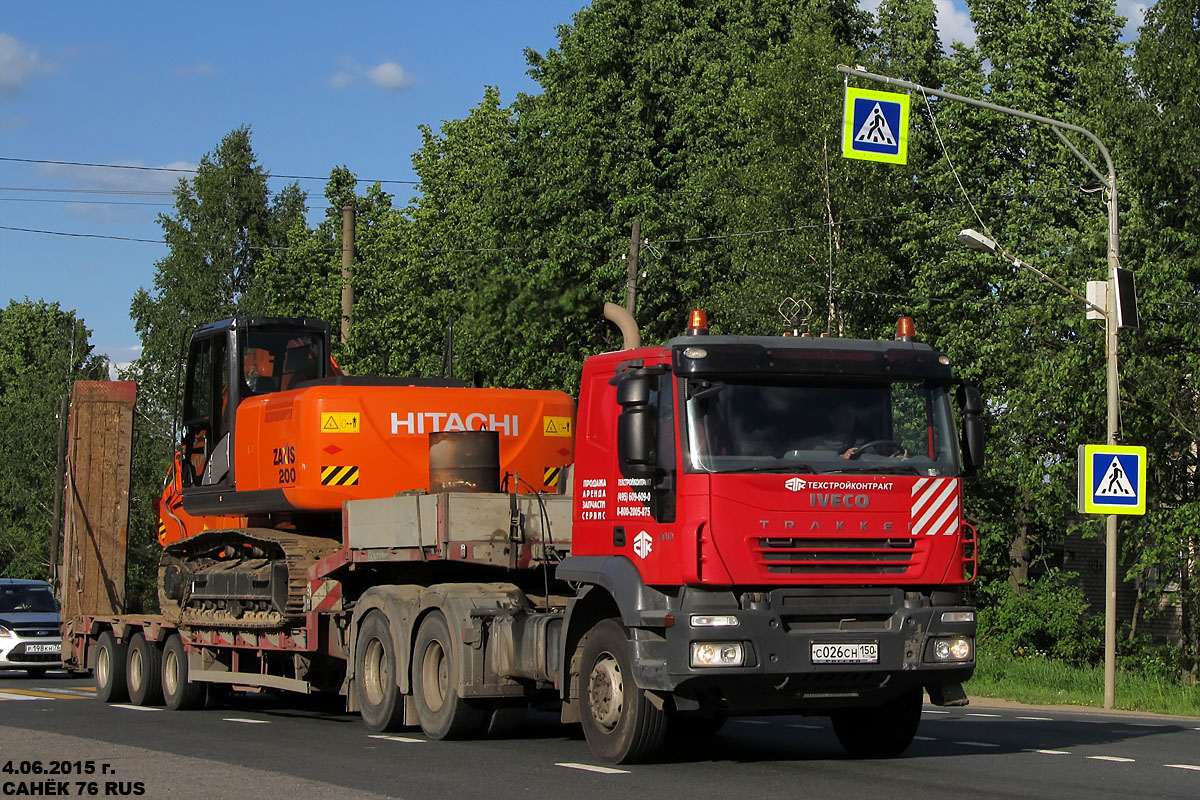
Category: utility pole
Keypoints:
(631, 283)
(347, 271)
(1112, 323)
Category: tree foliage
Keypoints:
(43, 349)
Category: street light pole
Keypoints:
(1109, 182)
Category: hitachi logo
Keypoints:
(416, 422)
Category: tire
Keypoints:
(178, 692)
(620, 723)
(36, 672)
(379, 700)
(442, 712)
(109, 671)
(882, 732)
(143, 672)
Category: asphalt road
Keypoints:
(292, 748)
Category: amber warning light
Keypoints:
(697, 323)
(906, 329)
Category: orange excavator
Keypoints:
(275, 438)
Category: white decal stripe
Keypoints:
(944, 523)
(929, 495)
(935, 507)
(916, 488)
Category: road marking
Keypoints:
(128, 707)
(1038, 719)
(753, 722)
(807, 727)
(42, 693)
(68, 692)
(1051, 752)
(7, 696)
(982, 715)
(247, 721)
(924, 739)
(404, 739)
(1118, 759)
(978, 744)
(591, 768)
(931, 711)
(1193, 767)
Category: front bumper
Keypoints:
(16, 652)
(777, 631)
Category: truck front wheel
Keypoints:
(143, 672)
(178, 691)
(109, 671)
(882, 732)
(379, 698)
(622, 726)
(443, 713)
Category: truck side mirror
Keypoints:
(971, 403)
(637, 434)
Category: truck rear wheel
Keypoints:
(620, 723)
(443, 713)
(379, 700)
(109, 671)
(882, 732)
(179, 693)
(143, 672)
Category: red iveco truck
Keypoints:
(725, 525)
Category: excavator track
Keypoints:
(248, 577)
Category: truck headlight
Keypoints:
(714, 620)
(718, 654)
(952, 649)
(958, 616)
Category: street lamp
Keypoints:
(977, 241)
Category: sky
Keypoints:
(159, 84)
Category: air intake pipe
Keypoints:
(631, 336)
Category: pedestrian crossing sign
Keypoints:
(1112, 479)
(875, 126)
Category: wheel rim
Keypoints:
(135, 669)
(606, 692)
(103, 666)
(171, 673)
(374, 669)
(435, 676)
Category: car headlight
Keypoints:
(5, 632)
(718, 654)
(951, 649)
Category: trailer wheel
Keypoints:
(143, 672)
(179, 693)
(619, 721)
(109, 671)
(379, 700)
(443, 713)
(882, 732)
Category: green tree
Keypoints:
(43, 350)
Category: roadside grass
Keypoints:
(1040, 681)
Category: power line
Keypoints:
(187, 170)
(82, 235)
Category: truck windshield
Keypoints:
(901, 427)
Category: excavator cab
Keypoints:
(227, 362)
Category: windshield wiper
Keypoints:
(794, 468)
(884, 468)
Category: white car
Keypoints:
(30, 627)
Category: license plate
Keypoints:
(43, 648)
(854, 653)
